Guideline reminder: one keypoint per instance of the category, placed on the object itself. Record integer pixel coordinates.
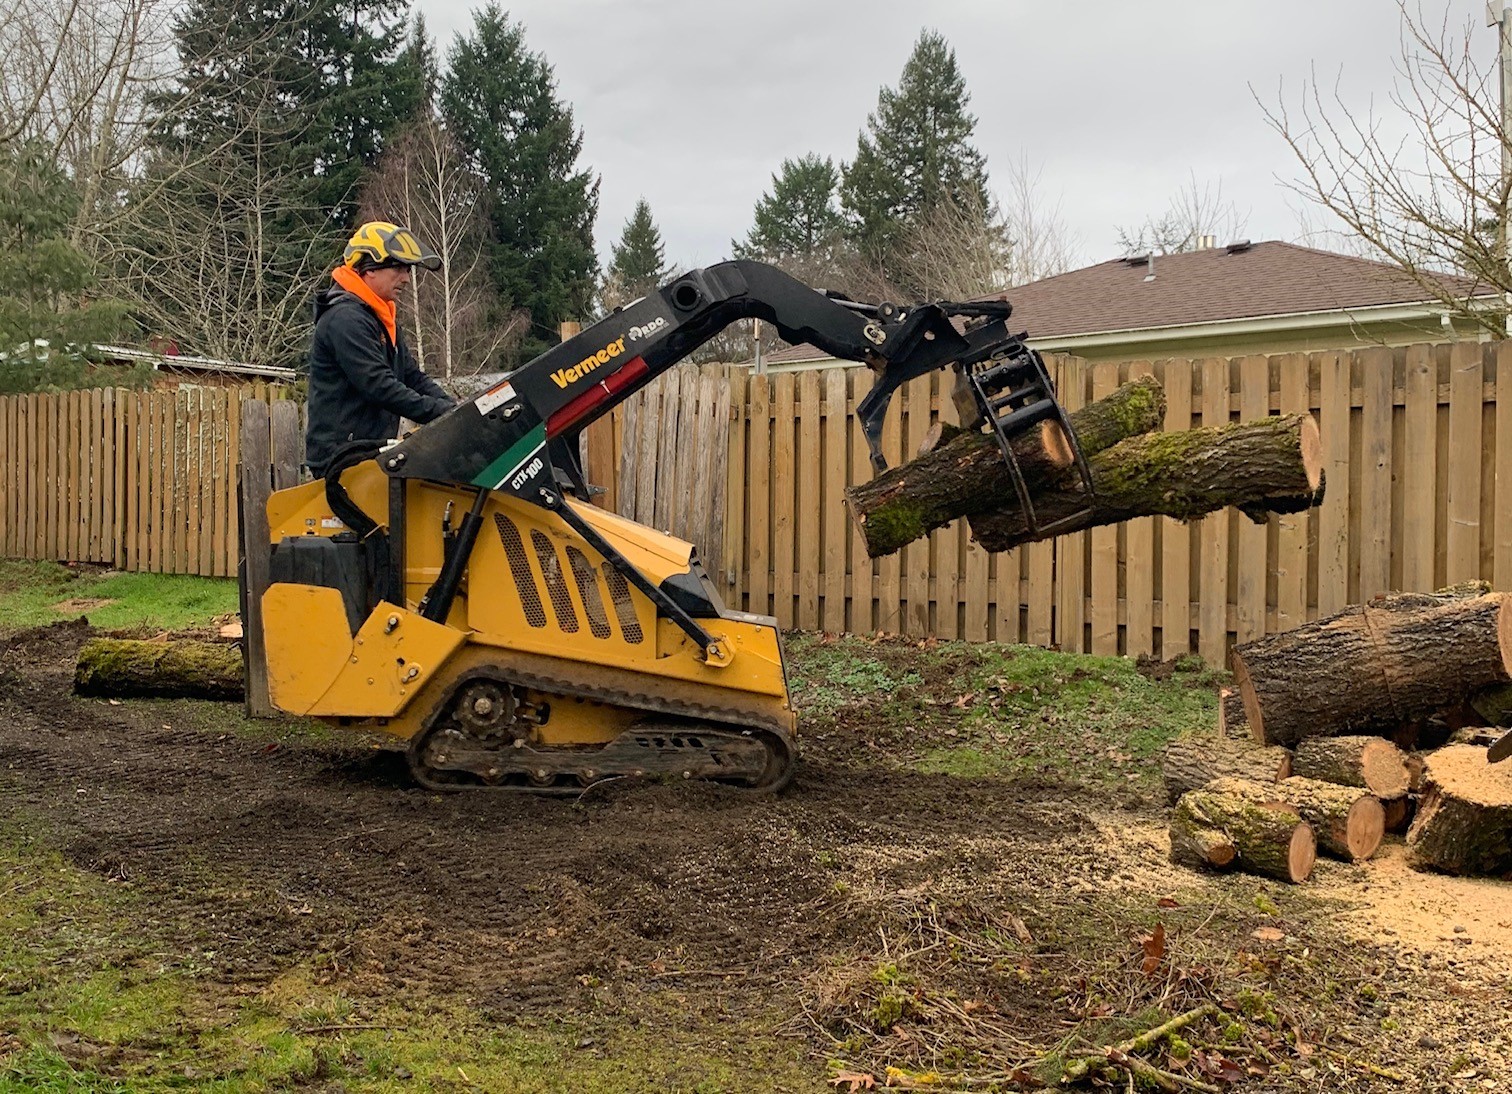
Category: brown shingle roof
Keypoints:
(1264, 279)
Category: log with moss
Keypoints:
(958, 473)
(1464, 819)
(1260, 467)
(1192, 763)
(1210, 828)
(1374, 667)
(1372, 763)
(184, 669)
(1348, 823)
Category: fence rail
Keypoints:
(1417, 451)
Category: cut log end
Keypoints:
(1464, 816)
(1302, 855)
(1311, 443)
(1057, 447)
(1373, 763)
(1365, 827)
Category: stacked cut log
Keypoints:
(1265, 466)
(1340, 695)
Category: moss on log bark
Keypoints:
(1348, 823)
(1267, 838)
(966, 473)
(1258, 466)
(1374, 667)
(186, 669)
(1464, 819)
(1192, 764)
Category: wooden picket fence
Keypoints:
(139, 480)
(752, 469)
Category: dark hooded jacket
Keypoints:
(360, 383)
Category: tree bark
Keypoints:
(1232, 722)
(1374, 667)
(1209, 828)
(185, 669)
(1373, 763)
(1348, 823)
(1270, 465)
(966, 472)
(1464, 819)
(1192, 764)
(1398, 813)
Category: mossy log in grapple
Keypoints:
(1273, 465)
(964, 472)
(124, 668)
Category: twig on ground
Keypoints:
(1366, 1065)
(1165, 1080)
(1077, 1070)
(341, 1029)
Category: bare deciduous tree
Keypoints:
(1197, 210)
(1040, 243)
(424, 182)
(1422, 185)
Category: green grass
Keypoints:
(36, 593)
(86, 1004)
(982, 709)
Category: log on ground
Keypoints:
(124, 668)
(964, 472)
(1348, 823)
(1209, 828)
(1464, 819)
(1192, 763)
(1270, 465)
(1373, 763)
(1374, 667)
(1398, 813)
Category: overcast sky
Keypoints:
(693, 104)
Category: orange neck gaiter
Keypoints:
(347, 278)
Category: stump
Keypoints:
(1348, 823)
(1192, 764)
(1209, 828)
(1374, 667)
(184, 669)
(958, 472)
(1270, 465)
(1464, 818)
(1373, 763)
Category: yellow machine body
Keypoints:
(538, 607)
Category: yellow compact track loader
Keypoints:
(455, 589)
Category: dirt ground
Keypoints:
(882, 917)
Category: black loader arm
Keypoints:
(516, 436)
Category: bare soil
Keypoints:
(259, 850)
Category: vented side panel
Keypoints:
(588, 588)
(519, 565)
(619, 592)
(556, 584)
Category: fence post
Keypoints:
(256, 459)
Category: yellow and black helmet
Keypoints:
(379, 243)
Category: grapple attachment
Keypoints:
(1006, 386)
(1013, 394)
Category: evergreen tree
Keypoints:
(798, 218)
(637, 262)
(47, 317)
(915, 155)
(499, 100)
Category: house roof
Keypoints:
(1242, 281)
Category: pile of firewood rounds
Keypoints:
(1376, 719)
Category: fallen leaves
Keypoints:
(1268, 934)
(1154, 947)
(854, 1080)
